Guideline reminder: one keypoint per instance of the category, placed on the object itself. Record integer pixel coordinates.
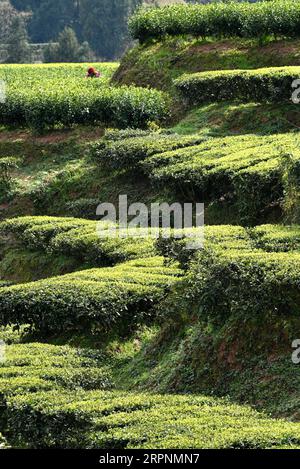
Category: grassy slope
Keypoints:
(159, 63)
(57, 166)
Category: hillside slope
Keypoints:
(108, 334)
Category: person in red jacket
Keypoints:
(93, 73)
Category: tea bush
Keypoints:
(241, 272)
(246, 285)
(59, 397)
(44, 98)
(128, 152)
(291, 178)
(116, 419)
(276, 238)
(7, 166)
(37, 232)
(30, 74)
(78, 238)
(247, 167)
(216, 238)
(97, 298)
(280, 18)
(86, 245)
(226, 238)
(52, 367)
(260, 85)
(83, 104)
(82, 208)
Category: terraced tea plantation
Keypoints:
(70, 406)
(116, 338)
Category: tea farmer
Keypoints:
(93, 73)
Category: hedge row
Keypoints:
(118, 420)
(260, 85)
(29, 74)
(248, 168)
(246, 284)
(227, 239)
(42, 412)
(128, 152)
(276, 238)
(37, 232)
(35, 368)
(50, 104)
(77, 238)
(43, 367)
(216, 237)
(291, 184)
(127, 292)
(280, 18)
(241, 272)
(89, 299)
(50, 95)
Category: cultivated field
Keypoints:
(126, 342)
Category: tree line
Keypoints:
(76, 30)
(88, 27)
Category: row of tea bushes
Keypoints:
(34, 368)
(88, 241)
(279, 18)
(216, 237)
(228, 238)
(90, 299)
(242, 272)
(259, 85)
(37, 232)
(29, 75)
(249, 168)
(122, 420)
(43, 96)
(43, 367)
(59, 397)
(49, 104)
(126, 293)
(276, 238)
(246, 285)
(127, 150)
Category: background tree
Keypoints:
(49, 17)
(7, 15)
(102, 23)
(68, 49)
(18, 42)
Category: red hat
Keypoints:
(91, 70)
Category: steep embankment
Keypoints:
(158, 63)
